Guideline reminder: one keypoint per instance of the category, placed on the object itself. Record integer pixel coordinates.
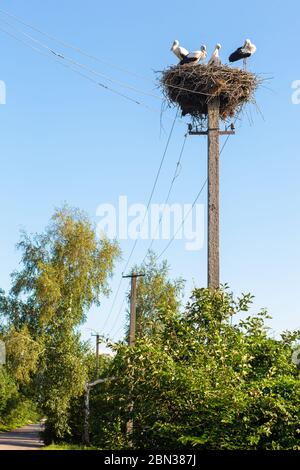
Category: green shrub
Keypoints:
(15, 408)
(203, 381)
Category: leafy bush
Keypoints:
(15, 408)
(8, 389)
(202, 381)
(19, 412)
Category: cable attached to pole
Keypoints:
(145, 215)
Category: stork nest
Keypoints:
(192, 87)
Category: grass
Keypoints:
(65, 446)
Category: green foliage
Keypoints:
(67, 446)
(107, 422)
(76, 411)
(61, 378)
(23, 354)
(19, 411)
(199, 378)
(64, 272)
(155, 291)
(204, 381)
(15, 408)
(8, 389)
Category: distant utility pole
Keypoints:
(213, 161)
(132, 329)
(97, 336)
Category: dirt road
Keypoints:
(26, 438)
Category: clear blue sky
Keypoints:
(64, 139)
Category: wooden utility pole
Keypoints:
(86, 426)
(132, 311)
(132, 331)
(213, 258)
(97, 336)
(132, 328)
(213, 161)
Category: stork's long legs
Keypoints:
(245, 63)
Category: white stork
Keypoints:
(178, 50)
(195, 57)
(215, 59)
(244, 52)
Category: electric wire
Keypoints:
(80, 65)
(190, 210)
(116, 320)
(144, 218)
(77, 64)
(173, 238)
(183, 221)
(153, 187)
(125, 96)
(87, 77)
(70, 46)
(56, 57)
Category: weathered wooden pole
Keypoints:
(131, 342)
(213, 269)
(97, 354)
(97, 336)
(132, 327)
(213, 134)
(132, 310)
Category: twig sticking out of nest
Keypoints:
(192, 87)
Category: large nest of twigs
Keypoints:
(191, 87)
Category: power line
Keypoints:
(124, 96)
(190, 210)
(145, 215)
(80, 65)
(91, 56)
(92, 71)
(113, 303)
(57, 58)
(179, 228)
(175, 176)
(70, 46)
(154, 187)
(183, 222)
(87, 77)
(116, 320)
